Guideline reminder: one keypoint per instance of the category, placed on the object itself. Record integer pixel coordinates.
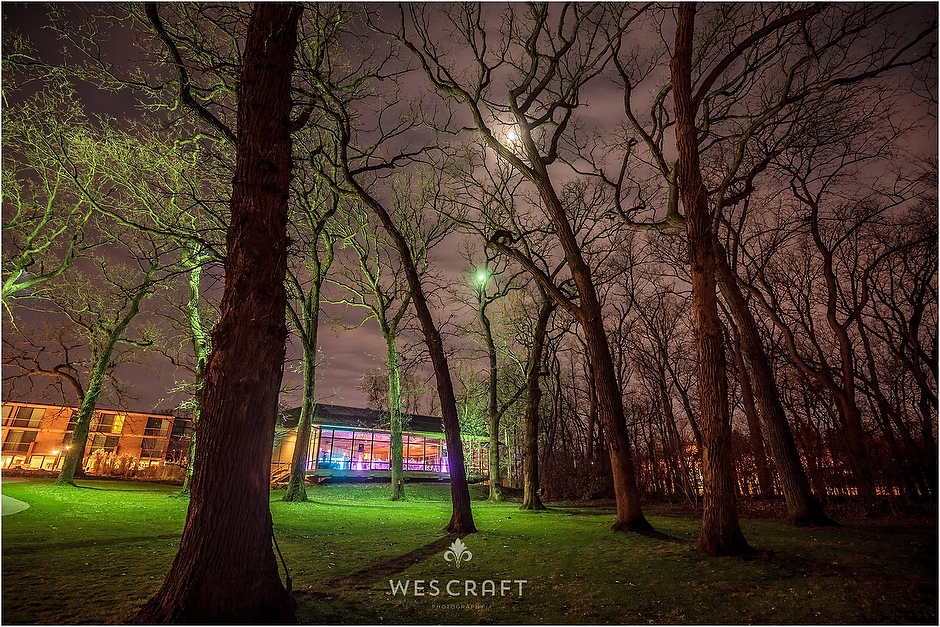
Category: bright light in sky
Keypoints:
(511, 136)
(482, 276)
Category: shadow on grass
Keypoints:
(816, 568)
(346, 504)
(60, 546)
(374, 573)
(143, 488)
(664, 537)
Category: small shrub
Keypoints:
(124, 465)
(98, 462)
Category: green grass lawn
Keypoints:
(95, 554)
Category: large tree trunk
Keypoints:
(609, 399)
(75, 450)
(225, 570)
(530, 462)
(610, 411)
(721, 531)
(802, 506)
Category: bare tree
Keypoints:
(376, 283)
(314, 236)
(358, 152)
(552, 54)
(51, 170)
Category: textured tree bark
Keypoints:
(803, 509)
(225, 570)
(765, 483)
(721, 531)
(200, 343)
(609, 399)
(610, 411)
(530, 468)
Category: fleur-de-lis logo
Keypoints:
(458, 552)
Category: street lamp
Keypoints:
(482, 277)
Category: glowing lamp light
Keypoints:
(55, 452)
(482, 276)
(512, 136)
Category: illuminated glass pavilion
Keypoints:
(354, 443)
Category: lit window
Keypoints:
(28, 417)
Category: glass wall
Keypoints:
(341, 449)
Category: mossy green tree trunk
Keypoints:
(312, 210)
(493, 414)
(394, 413)
(200, 343)
(101, 363)
(307, 323)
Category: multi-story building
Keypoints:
(36, 435)
(346, 442)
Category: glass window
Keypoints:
(432, 454)
(414, 452)
(381, 452)
(104, 423)
(18, 441)
(151, 447)
(325, 448)
(314, 447)
(72, 420)
(101, 441)
(362, 450)
(7, 409)
(28, 417)
(341, 457)
(110, 423)
(155, 426)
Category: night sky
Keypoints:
(347, 354)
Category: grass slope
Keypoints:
(96, 553)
